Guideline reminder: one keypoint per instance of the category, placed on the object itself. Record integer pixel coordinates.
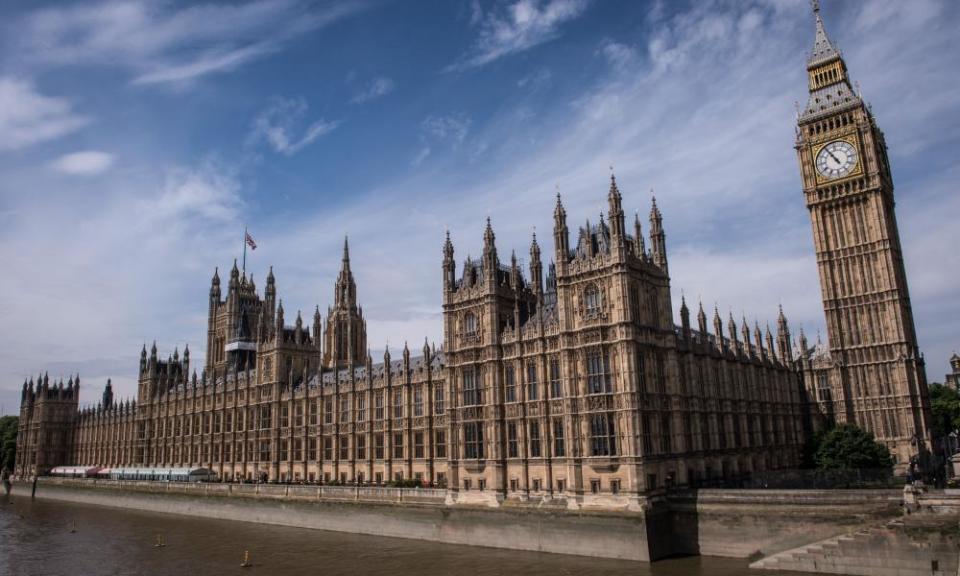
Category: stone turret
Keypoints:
(658, 238)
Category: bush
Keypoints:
(945, 406)
(847, 447)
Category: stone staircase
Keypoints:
(902, 547)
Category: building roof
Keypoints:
(823, 48)
(828, 100)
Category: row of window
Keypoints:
(598, 380)
(247, 418)
(294, 449)
(602, 441)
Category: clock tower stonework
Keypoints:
(871, 372)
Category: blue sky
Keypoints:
(137, 138)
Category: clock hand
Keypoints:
(837, 160)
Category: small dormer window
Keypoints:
(591, 300)
(470, 325)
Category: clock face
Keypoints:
(836, 159)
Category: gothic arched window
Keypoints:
(470, 325)
(591, 300)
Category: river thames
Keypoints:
(41, 538)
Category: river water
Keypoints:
(50, 538)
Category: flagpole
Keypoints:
(244, 251)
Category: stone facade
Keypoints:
(572, 383)
(577, 384)
(871, 372)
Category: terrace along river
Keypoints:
(52, 538)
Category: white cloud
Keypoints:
(519, 26)
(134, 267)
(447, 131)
(162, 44)
(616, 53)
(714, 138)
(28, 117)
(378, 87)
(85, 163)
(535, 79)
(209, 191)
(278, 126)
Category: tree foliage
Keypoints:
(8, 441)
(945, 405)
(847, 447)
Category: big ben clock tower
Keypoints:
(873, 374)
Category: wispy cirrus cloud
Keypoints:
(377, 88)
(617, 54)
(125, 234)
(278, 126)
(448, 131)
(28, 117)
(519, 26)
(161, 44)
(84, 163)
(703, 112)
(209, 191)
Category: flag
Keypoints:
(250, 242)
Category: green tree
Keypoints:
(945, 405)
(8, 441)
(847, 447)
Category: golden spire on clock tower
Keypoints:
(827, 76)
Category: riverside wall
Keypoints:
(734, 523)
(754, 523)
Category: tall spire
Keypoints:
(784, 342)
(536, 266)
(215, 283)
(702, 322)
(448, 247)
(345, 291)
(561, 235)
(449, 265)
(829, 85)
(615, 212)
(684, 317)
(490, 260)
(488, 236)
(107, 399)
(270, 291)
(823, 48)
(234, 275)
(771, 351)
(658, 238)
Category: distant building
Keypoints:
(953, 379)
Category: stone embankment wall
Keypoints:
(735, 523)
(924, 541)
(751, 523)
(402, 513)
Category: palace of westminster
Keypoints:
(565, 381)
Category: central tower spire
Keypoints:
(345, 296)
(345, 340)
